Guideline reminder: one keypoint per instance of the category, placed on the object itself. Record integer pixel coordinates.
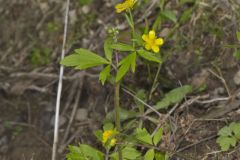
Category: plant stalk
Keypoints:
(117, 115)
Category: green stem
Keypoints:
(117, 106)
(117, 115)
(132, 27)
(155, 82)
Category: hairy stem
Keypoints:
(117, 115)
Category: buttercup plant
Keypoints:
(146, 46)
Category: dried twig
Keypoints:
(213, 100)
(55, 141)
(50, 75)
(222, 79)
(164, 119)
(201, 141)
(141, 101)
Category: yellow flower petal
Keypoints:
(159, 41)
(145, 37)
(147, 46)
(155, 49)
(113, 142)
(152, 35)
(127, 4)
(120, 7)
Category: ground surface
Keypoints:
(30, 47)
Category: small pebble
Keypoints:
(85, 9)
(81, 114)
(236, 78)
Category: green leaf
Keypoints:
(236, 54)
(128, 153)
(90, 152)
(225, 131)
(238, 35)
(169, 15)
(226, 142)
(186, 16)
(84, 152)
(108, 126)
(98, 134)
(235, 127)
(133, 62)
(149, 56)
(174, 96)
(75, 153)
(143, 136)
(161, 156)
(149, 155)
(105, 74)
(122, 47)
(128, 61)
(107, 49)
(83, 59)
(158, 136)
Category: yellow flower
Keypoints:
(107, 135)
(152, 42)
(127, 4)
(113, 142)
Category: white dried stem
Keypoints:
(55, 141)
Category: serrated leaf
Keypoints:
(226, 142)
(128, 61)
(91, 152)
(128, 153)
(149, 155)
(122, 47)
(105, 74)
(225, 131)
(149, 56)
(158, 136)
(143, 136)
(174, 96)
(83, 59)
(107, 49)
(235, 127)
(84, 152)
(74, 154)
(169, 15)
